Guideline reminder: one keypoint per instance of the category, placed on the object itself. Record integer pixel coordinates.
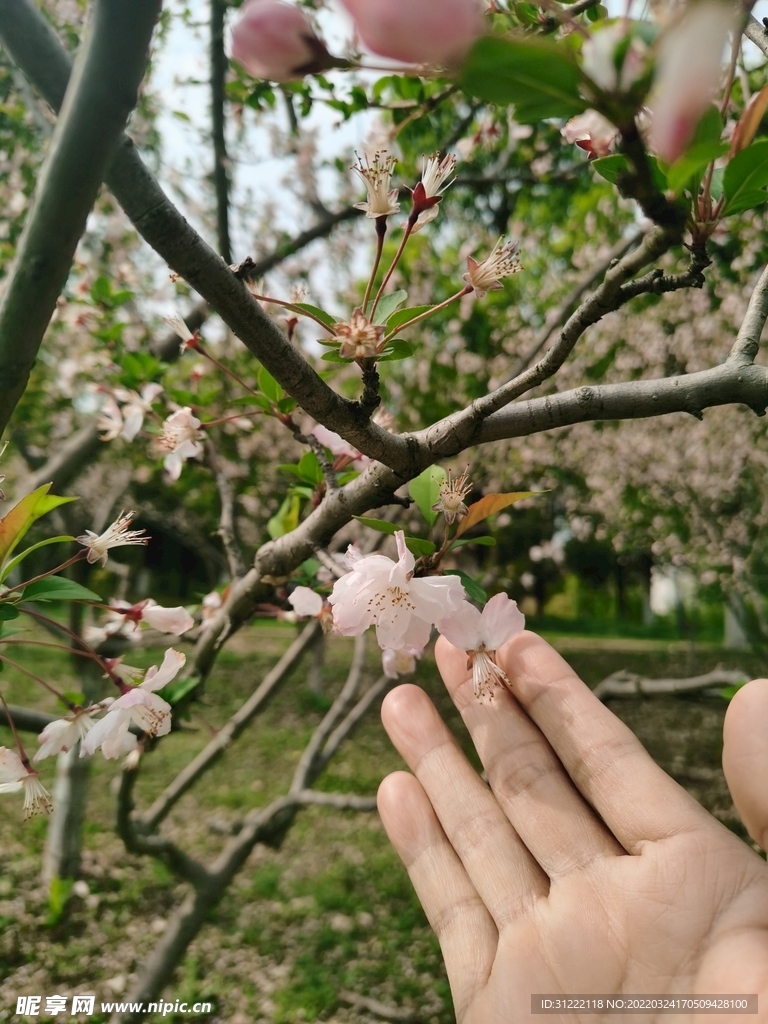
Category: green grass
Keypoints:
(332, 908)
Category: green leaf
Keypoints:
(539, 77)
(487, 542)
(286, 518)
(286, 405)
(474, 590)
(309, 468)
(40, 544)
(8, 611)
(326, 318)
(716, 185)
(686, 172)
(258, 400)
(334, 357)
(378, 524)
(388, 305)
(32, 507)
(57, 588)
(404, 315)
(419, 547)
(269, 386)
(178, 689)
(610, 167)
(425, 490)
(395, 349)
(744, 178)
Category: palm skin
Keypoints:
(584, 868)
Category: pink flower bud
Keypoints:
(417, 31)
(688, 75)
(276, 41)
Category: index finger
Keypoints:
(636, 799)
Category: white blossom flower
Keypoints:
(337, 446)
(64, 733)
(481, 635)
(180, 439)
(116, 535)
(135, 408)
(305, 602)
(110, 420)
(386, 593)
(15, 776)
(400, 663)
(210, 605)
(177, 324)
(377, 175)
(124, 618)
(610, 61)
(434, 182)
(503, 261)
(138, 705)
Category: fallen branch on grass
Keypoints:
(628, 684)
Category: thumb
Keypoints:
(745, 756)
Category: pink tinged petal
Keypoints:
(55, 737)
(103, 730)
(133, 418)
(11, 768)
(156, 679)
(306, 602)
(463, 627)
(501, 621)
(173, 464)
(272, 40)
(11, 787)
(405, 559)
(150, 392)
(688, 75)
(168, 620)
(417, 31)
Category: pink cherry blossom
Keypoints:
(138, 705)
(64, 733)
(481, 635)
(610, 61)
(386, 594)
(110, 420)
(275, 40)
(400, 663)
(688, 75)
(180, 439)
(15, 775)
(591, 132)
(417, 31)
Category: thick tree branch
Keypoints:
(25, 719)
(165, 229)
(104, 89)
(757, 34)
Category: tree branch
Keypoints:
(227, 526)
(166, 230)
(219, 67)
(748, 339)
(757, 34)
(229, 733)
(628, 684)
(103, 92)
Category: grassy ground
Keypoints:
(332, 909)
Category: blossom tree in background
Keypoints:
(475, 350)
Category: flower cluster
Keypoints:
(380, 592)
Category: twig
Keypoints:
(357, 713)
(227, 524)
(393, 1013)
(26, 719)
(105, 83)
(341, 801)
(229, 733)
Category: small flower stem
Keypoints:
(42, 682)
(395, 261)
(381, 230)
(294, 308)
(78, 639)
(19, 746)
(83, 553)
(228, 419)
(197, 347)
(423, 316)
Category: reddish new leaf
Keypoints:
(491, 503)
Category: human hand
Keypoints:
(584, 868)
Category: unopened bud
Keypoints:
(417, 31)
(276, 41)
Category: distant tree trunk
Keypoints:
(316, 676)
(63, 844)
